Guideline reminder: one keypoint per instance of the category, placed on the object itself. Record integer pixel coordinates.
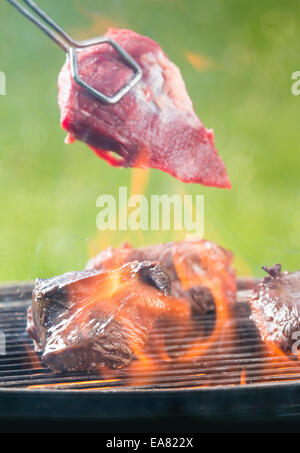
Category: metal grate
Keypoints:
(238, 358)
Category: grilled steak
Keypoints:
(196, 268)
(84, 320)
(154, 125)
(276, 307)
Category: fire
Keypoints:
(177, 346)
(99, 24)
(175, 351)
(156, 361)
(243, 378)
(199, 62)
(31, 356)
(190, 277)
(139, 181)
(112, 285)
(160, 356)
(278, 364)
(77, 383)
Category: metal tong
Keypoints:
(72, 47)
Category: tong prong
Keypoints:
(47, 30)
(126, 57)
(50, 22)
(71, 47)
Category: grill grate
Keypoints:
(237, 359)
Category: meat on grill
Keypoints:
(84, 320)
(276, 308)
(196, 268)
(152, 126)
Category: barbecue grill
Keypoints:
(29, 390)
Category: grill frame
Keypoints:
(250, 401)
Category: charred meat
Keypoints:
(152, 126)
(86, 320)
(196, 269)
(276, 307)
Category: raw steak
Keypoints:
(154, 125)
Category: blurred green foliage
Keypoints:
(48, 190)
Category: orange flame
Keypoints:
(99, 24)
(243, 378)
(199, 62)
(158, 357)
(72, 384)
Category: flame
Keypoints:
(32, 356)
(156, 360)
(201, 346)
(157, 357)
(112, 285)
(212, 278)
(199, 62)
(243, 378)
(99, 24)
(280, 363)
(74, 383)
(139, 181)
(142, 369)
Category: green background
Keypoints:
(245, 52)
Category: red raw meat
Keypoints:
(152, 126)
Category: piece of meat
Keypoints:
(152, 126)
(276, 308)
(85, 320)
(196, 269)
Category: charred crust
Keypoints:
(155, 275)
(202, 300)
(273, 271)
